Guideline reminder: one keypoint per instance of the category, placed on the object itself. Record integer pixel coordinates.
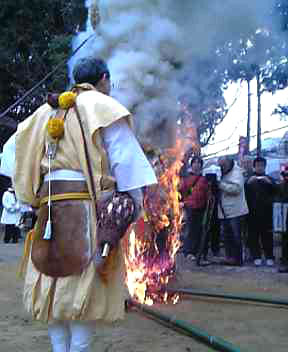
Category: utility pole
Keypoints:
(258, 113)
(249, 114)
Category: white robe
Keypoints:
(8, 157)
(11, 209)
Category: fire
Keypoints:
(151, 247)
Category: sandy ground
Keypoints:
(252, 327)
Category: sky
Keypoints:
(235, 123)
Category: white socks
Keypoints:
(81, 335)
(60, 336)
(71, 336)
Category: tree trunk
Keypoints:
(249, 115)
(259, 115)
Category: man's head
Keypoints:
(284, 174)
(94, 71)
(196, 164)
(226, 164)
(259, 165)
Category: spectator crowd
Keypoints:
(240, 217)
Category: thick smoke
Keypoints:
(149, 44)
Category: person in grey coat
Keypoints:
(232, 207)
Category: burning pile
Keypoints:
(151, 247)
(153, 243)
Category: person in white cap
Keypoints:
(10, 216)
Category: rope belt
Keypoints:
(65, 196)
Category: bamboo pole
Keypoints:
(217, 343)
(249, 298)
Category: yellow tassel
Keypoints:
(145, 217)
(66, 100)
(27, 248)
(55, 127)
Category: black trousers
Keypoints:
(214, 232)
(231, 231)
(260, 235)
(194, 233)
(212, 239)
(12, 232)
(284, 248)
(161, 240)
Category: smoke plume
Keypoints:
(149, 44)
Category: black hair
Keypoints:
(90, 70)
(284, 173)
(259, 159)
(194, 158)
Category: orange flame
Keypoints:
(150, 266)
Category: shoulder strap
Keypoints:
(94, 197)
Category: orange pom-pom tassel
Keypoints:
(55, 127)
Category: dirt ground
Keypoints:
(251, 327)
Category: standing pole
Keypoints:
(259, 147)
(249, 115)
(206, 226)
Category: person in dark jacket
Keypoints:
(194, 190)
(282, 196)
(260, 190)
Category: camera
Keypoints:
(212, 170)
(213, 176)
(213, 182)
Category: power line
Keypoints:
(253, 136)
(226, 113)
(231, 135)
(30, 91)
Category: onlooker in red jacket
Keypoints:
(194, 191)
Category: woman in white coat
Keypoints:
(10, 216)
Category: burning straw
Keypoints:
(153, 243)
(151, 247)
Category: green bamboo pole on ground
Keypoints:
(214, 342)
(250, 298)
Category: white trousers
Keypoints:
(71, 336)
